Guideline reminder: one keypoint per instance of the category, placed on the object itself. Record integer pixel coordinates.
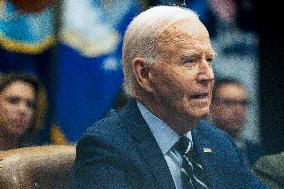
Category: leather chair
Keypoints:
(37, 167)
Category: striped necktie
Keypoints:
(192, 171)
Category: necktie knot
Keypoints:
(183, 145)
(191, 170)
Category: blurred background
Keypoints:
(74, 47)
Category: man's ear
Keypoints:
(141, 73)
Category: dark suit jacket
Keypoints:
(251, 151)
(121, 152)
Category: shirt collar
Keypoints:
(164, 135)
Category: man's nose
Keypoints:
(205, 72)
(23, 108)
(240, 107)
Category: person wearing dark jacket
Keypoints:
(156, 141)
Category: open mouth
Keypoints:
(200, 96)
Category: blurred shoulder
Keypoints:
(105, 129)
(272, 163)
(207, 129)
(270, 169)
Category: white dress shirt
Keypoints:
(166, 139)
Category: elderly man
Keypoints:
(154, 142)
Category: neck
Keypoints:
(7, 143)
(180, 123)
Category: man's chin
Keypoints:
(195, 117)
(19, 132)
(202, 113)
(202, 116)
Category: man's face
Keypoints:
(183, 78)
(16, 108)
(229, 108)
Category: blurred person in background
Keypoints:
(229, 113)
(270, 169)
(22, 110)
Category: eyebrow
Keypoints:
(210, 53)
(191, 53)
(18, 97)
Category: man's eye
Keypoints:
(31, 104)
(228, 102)
(13, 100)
(190, 60)
(209, 60)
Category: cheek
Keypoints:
(181, 83)
(8, 108)
(221, 112)
(243, 111)
(5, 111)
(167, 84)
(232, 114)
(179, 90)
(174, 82)
(30, 114)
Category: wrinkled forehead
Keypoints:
(170, 23)
(19, 87)
(183, 34)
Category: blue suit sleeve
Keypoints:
(246, 172)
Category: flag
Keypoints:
(89, 64)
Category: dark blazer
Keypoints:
(251, 151)
(121, 152)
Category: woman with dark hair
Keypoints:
(22, 110)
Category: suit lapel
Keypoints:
(147, 146)
(207, 152)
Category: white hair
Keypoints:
(142, 34)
